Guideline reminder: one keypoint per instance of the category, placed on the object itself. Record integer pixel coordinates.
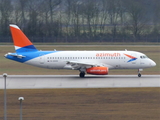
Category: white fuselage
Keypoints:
(110, 59)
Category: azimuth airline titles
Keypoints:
(90, 62)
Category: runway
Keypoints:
(73, 81)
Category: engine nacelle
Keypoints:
(97, 70)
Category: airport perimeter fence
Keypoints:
(84, 39)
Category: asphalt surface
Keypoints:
(73, 81)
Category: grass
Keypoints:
(84, 104)
(79, 104)
(12, 67)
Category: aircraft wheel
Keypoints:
(139, 75)
(82, 74)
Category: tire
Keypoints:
(82, 74)
(139, 75)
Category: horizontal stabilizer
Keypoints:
(15, 55)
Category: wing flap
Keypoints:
(80, 65)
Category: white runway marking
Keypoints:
(73, 81)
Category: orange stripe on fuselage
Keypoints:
(19, 38)
(129, 56)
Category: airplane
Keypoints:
(90, 62)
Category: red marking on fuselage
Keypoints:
(108, 54)
(130, 56)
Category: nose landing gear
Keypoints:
(139, 72)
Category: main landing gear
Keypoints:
(82, 74)
(139, 72)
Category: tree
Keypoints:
(137, 20)
(156, 16)
(5, 12)
(113, 13)
(22, 5)
(91, 14)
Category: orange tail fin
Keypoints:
(21, 42)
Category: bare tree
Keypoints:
(113, 9)
(67, 18)
(104, 16)
(91, 14)
(76, 17)
(156, 16)
(5, 12)
(48, 9)
(77, 20)
(137, 17)
(73, 18)
(22, 5)
(32, 27)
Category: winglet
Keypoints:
(21, 42)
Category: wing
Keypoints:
(77, 65)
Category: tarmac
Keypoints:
(74, 81)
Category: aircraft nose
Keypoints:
(153, 63)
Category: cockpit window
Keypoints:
(143, 57)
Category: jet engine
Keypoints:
(97, 70)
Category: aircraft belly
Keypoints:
(35, 63)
